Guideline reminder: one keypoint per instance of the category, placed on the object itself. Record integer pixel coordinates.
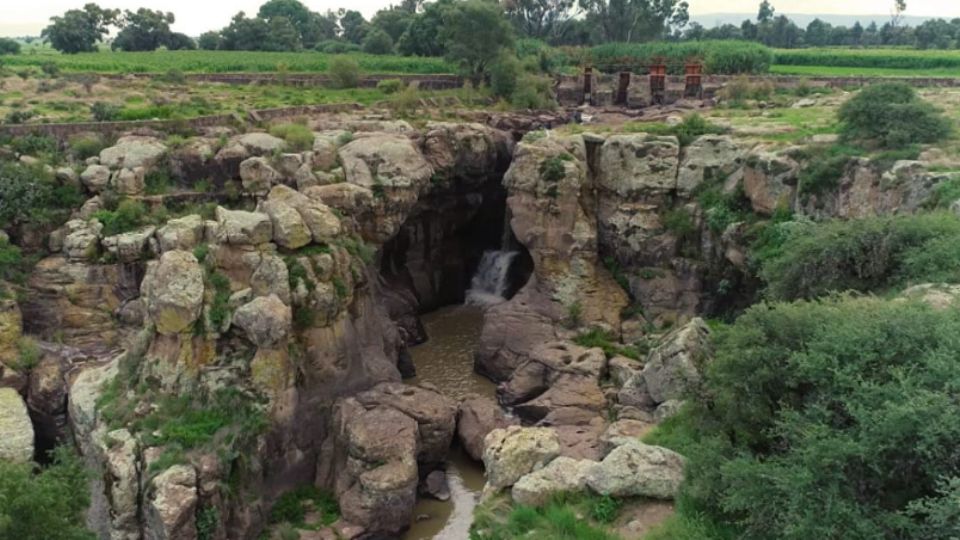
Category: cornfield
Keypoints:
(721, 57)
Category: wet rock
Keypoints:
(257, 176)
(133, 151)
(435, 485)
(512, 453)
(172, 291)
(16, 430)
(266, 320)
(476, 418)
(635, 469)
(434, 413)
(562, 475)
(170, 513)
(244, 228)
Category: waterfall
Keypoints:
(492, 278)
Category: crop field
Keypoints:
(867, 62)
(221, 62)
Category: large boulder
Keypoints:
(289, 230)
(261, 144)
(770, 181)
(434, 413)
(131, 182)
(324, 225)
(635, 469)
(265, 319)
(170, 510)
(562, 475)
(674, 366)
(16, 430)
(131, 246)
(257, 176)
(133, 151)
(183, 233)
(244, 228)
(634, 164)
(512, 453)
(81, 239)
(476, 418)
(95, 178)
(172, 291)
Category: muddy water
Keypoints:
(446, 361)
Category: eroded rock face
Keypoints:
(322, 223)
(172, 290)
(265, 319)
(244, 228)
(170, 511)
(257, 176)
(476, 418)
(635, 469)
(16, 430)
(672, 368)
(512, 453)
(770, 181)
(639, 163)
(133, 151)
(562, 475)
(712, 158)
(183, 233)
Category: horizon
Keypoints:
(29, 20)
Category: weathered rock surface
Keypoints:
(266, 320)
(172, 290)
(257, 176)
(244, 228)
(635, 469)
(16, 430)
(132, 152)
(512, 453)
(170, 512)
(183, 233)
(562, 475)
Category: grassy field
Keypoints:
(221, 62)
(842, 71)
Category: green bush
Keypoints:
(503, 75)
(390, 86)
(890, 115)
(30, 196)
(9, 46)
(726, 57)
(830, 419)
(870, 254)
(298, 136)
(129, 215)
(50, 504)
(333, 46)
(687, 131)
(86, 146)
(561, 518)
(533, 92)
(344, 72)
(378, 42)
(290, 507)
(105, 112)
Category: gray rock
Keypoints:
(512, 453)
(244, 228)
(132, 152)
(96, 178)
(257, 176)
(131, 246)
(172, 291)
(261, 144)
(562, 475)
(170, 513)
(16, 430)
(183, 233)
(635, 469)
(265, 319)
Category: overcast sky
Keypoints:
(28, 17)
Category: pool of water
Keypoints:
(446, 361)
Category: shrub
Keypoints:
(829, 419)
(9, 46)
(31, 196)
(49, 504)
(390, 86)
(692, 127)
(18, 117)
(298, 136)
(86, 146)
(290, 507)
(378, 42)
(870, 254)
(503, 75)
(533, 92)
(172, 76)
(50, 69)
(344, 72)
(890, 115)
(104, 112)
(129, 215)
(742, 89)
(28, 354)
(12, 263)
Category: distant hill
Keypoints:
(709, 20)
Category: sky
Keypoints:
(19, 17)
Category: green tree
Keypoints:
(423, 36)
(475, 31)
(354, 26)
(635, 20)
(79, 30)
(394, 21)
(311, 27)
(209, 41)
(282, 35)
(766, 11)
(244, 34)
(378, 42)
(48, 505)
(143, 30)
(541, 19)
